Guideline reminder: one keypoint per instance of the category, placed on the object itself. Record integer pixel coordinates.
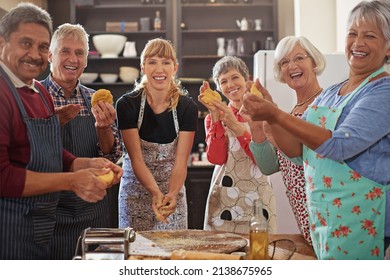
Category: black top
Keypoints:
(156, 128)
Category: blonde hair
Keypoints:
(162, 48)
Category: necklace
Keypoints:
(304, 102)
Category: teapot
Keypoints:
(244, 24)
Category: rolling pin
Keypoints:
(196, 255)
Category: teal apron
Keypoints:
(27, 223)
(346, 210)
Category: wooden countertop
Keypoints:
(304, 251)
(160, 244)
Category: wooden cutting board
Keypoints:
(161, 244)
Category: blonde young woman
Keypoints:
(158, 123)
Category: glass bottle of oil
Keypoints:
(258, 235)
(157, 22)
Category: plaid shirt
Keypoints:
(59, 100)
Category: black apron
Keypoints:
(27, 223)
(74, 214)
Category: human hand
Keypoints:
(226, 115)
(86, 184)
(157, 203)
(67, 113)
(169, 204)
(210, 107)
(258, 108)
(104, 114)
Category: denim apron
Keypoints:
(135, 200)
(28, 222)
(73, 213)
(346, 210)
(234, 187)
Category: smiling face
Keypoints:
(365, 47)
(299, 72)
(68, 61)
(26, 51)
(232, 85)
(159, 72)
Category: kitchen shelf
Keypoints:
(203, 23)
(202, 31)
(119, 6)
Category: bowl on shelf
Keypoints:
(109, 78)
(88, 78)
(128, 74)
(109, 45)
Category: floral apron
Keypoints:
(346, 210)
(234, 187)
(135, 200)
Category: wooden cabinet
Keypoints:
(197, 188)
(202, 22)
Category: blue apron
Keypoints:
(28, 222)
(73, 213)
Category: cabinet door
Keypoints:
(197, 189)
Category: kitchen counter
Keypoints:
(161, 244)
(304, 251)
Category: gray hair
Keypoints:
(24, 13)
(375, 12)
(72, 31)
(227, 63)
(287, 44)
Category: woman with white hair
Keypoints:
(297, 63)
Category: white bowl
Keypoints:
(109, 78)
(88, 78)
(128, 74)
(109, 45)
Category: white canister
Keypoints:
(130, 50)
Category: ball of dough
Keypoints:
(107, 178)
(209, 95)
(102, 95)
(255, 90)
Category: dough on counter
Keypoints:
(102, 95)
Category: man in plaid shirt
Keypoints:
(86, 132)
